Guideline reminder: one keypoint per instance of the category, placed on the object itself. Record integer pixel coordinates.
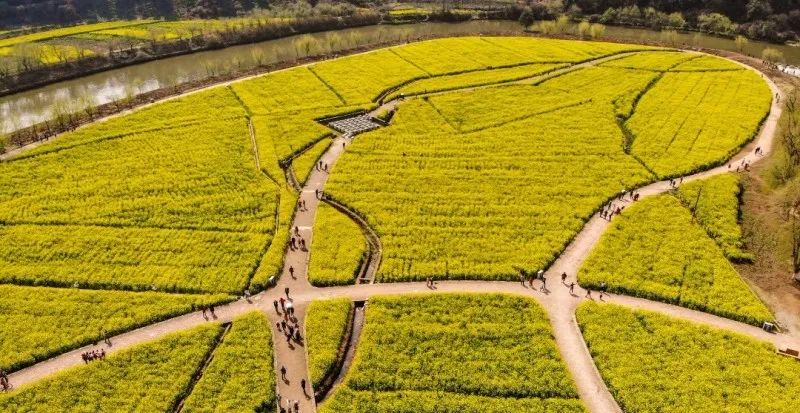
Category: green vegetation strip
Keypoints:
(326, 324)
(241, 375)
(338, 249)
(304, 163)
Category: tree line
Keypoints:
(772, 20)
(59, 12)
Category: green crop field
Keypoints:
(145, 187)
(482, 204)
(715, 204)
(653, 363)
(289, 90)
(499, 153)
(477, 351)
(241, 375)
(656, 250)
(651, 61)
(704, 63)
(67, 31)
(689, 121)
(326, 321)
(149, 377)
(338, 248)
(64, 44)
(39, 322)
(475, 78)
(304, 163)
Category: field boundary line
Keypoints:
(394, 52)
(327, 85)
(198, 374)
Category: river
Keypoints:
(34, 106)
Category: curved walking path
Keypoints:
(558, 302)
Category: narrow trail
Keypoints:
(294, 282)
(558, 302)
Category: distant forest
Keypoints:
(776, 20)
(41, 12)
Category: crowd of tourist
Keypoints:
(93, 355)
(4, 383)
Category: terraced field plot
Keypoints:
(338, 249)
(241, 374)
(150, 377)
(64, 44)
(39, 322)
(656, 250)
(690, 121)
(474, 352)
(655, 363)
(433, 195)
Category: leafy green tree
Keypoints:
(715, 23)
(527, 18)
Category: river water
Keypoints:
(30, 107)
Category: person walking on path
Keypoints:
(283, 373)
(522, 278)
(104, 336)
(286, 290)
(291, 271)
(303, 386)
(572, 288)
(544, 283)
(602, 289)
(211, 310)
(588, 293)
(563, 278)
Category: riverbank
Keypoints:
(54, 73)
